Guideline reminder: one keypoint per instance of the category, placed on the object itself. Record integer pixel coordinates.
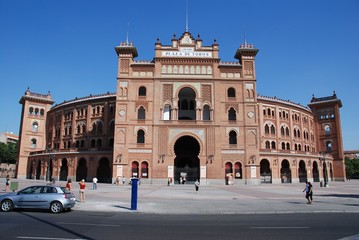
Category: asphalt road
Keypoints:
(106, 225)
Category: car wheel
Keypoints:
(7, 205)
(56, 207)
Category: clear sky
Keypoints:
(67, 47)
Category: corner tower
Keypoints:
(328, 131)
(32, 135)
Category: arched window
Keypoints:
(42, 112)
(93, 143)
(94, 127)
(327, 130)
(329, 146)
(232, 114)
(141, 113)
(33, 143)
(35, 127)
(272, 129)
(282, 131)
(283, 146)
(232, 137)
(273, 145)
(167, 112)
(142, 91)
(266, 129)
(99, 127)
(288, 146)
(267, 145)
(140, 136)
(187, 104)
(31, 110)
(206, 113)
(231, 92)
(99, 143)
(287, 131)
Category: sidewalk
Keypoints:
(247, 199)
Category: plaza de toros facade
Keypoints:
(186, 114)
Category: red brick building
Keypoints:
(186, 113)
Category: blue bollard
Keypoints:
(134, 183)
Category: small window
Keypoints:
(141, 113)
(231, 92)
(140, 136)
(33, 143)
(232, 137)
(142, 92)
(232, 114)
(35, 127)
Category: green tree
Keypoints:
(8, 153)
(352, 168)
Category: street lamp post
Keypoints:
(323, 159)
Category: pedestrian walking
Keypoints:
(306, 190)
(94, 183)
(82, 190)
(7, 182)
(310, 192)
(117, 181)
(123, 180)
(69, 185)
(196, 184)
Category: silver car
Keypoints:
(54, 198)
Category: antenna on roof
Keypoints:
(128, 27)
(186, 15)
(245, 41)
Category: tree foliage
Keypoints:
(8, 153)
(352, 168)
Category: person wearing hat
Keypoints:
(82, 190)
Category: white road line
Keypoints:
(89, 224)
(280, 227)
(48, 238)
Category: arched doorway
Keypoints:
(266, 173)
(285, 172)
(104, 171)
(302, 172)
(238, 170)
(186, 163)
(135, 169)
(81, 171)
(63, 170)
(228, 171)
(315, 171)
(144, 170)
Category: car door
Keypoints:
(29, 197)
(48, 194)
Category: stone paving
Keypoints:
(244, 199)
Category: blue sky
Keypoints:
(67, 47)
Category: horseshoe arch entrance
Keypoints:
(186, 162)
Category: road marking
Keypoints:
(48, 238)
(280, 227)
(90, 224)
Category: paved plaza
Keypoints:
(245, 199)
